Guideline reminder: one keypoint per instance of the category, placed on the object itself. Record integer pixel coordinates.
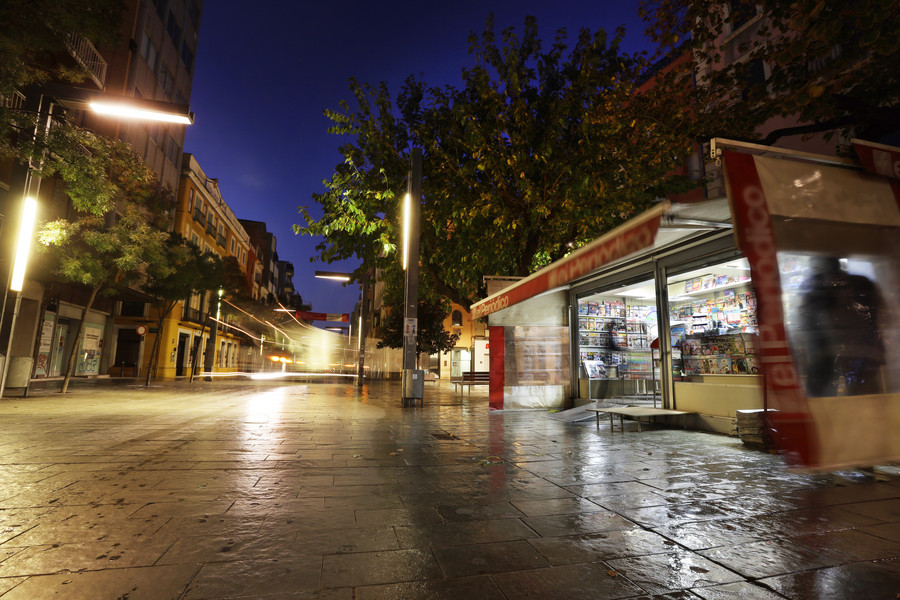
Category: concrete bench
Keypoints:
(636, 412)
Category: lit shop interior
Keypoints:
(710, 312)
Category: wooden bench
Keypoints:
(636, 412)
(430, 377)
(470, 378)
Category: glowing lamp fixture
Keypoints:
(333, 275)
(133, 112)
(407, 208)
(23, 246)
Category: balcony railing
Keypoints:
(210, 229)
(83, 51)
(192, 314)
(13, 102)
(220, 239)
(199, 217)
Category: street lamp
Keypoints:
(17, 281)
(25, 184)
(361, 332)
(412, 381)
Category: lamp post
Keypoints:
(361, 329)
(413, 383)
(17, 280)
(25, 184)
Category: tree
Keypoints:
(432, 310)
(832, 64)
(182, 271)
(101, 250)
(536, 154)
(432, 338)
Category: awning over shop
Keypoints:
(633, 236)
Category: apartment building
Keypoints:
(267, 278)
(154, 60)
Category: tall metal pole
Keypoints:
(360, 369)
(12, 211)
(411, 287)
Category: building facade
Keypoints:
(154, 60)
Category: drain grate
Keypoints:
(444, 436)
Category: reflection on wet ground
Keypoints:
(317, 490)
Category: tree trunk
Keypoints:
(73, 353)
(196, 351)
(154, 355)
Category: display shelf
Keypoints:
(715, 288)
(728, 354)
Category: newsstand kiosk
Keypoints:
(778, 294)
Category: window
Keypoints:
(165, 77)
(456, 319)
(740, 12)
(754, 78)
(193, 13)
(191, 200)
(160, 8)
(173, 29)
(149, 52)
(131, 309)
(195, 240)
(187, 57)
(232, 246)
(173, 150)
(713, 322)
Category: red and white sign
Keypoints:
(315, 316)
(877, 158)
(766, 196)
(636, 234)
(141, 330)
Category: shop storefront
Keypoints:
(774, 297)
(57, 336)
(678, 331)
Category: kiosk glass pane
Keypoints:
(713, 321)
(615, 332)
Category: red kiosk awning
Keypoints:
(635, 235)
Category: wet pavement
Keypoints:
(317, 491)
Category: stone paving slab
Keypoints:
(321, 491)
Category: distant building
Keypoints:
(267, 256)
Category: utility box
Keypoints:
(413, 386)
(19, 374)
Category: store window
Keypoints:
(713, 322)
(616, 331)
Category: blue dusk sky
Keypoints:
(265, 72)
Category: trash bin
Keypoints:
(413, 386)
(19, 374)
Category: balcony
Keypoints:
(14, 102)
(192, 315)
(199, 216)
(84, 53)
(210, 229)
(220, 239)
